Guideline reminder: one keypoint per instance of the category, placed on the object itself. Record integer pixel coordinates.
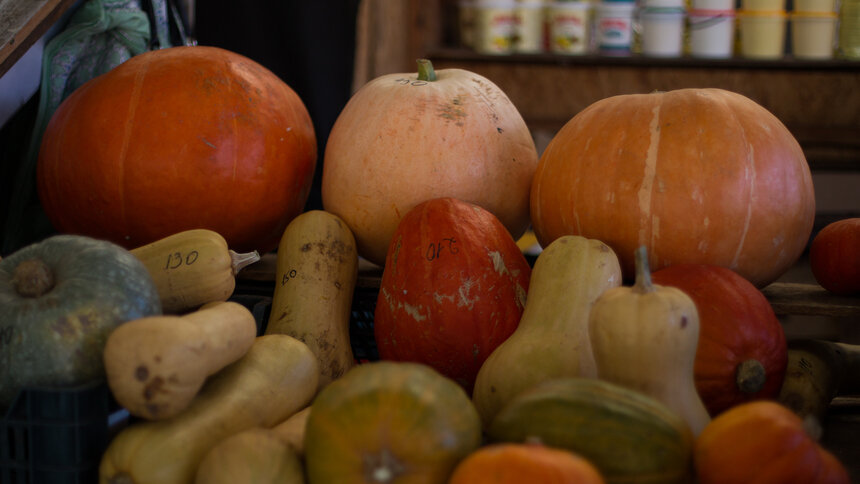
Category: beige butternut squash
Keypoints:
(645, 337)
(276, 377)
(156, 365)
(292, 430)
(317, 267)
(193, 267)
(552, 337)
(254, 456)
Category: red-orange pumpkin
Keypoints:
(763, 442)
(742, 352)
(510, 463)
(406, 138)
(834, 256)
(176, 139)
(453, 289)
(698, 176)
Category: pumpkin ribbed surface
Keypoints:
(695, 175)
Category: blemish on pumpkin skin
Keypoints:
(141, 373)
(683, 322)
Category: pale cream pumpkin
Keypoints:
(402, 140)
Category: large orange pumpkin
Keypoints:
(698, 176)
(742, 352)
(176, 139)
(403, 139)
(453, 289)
(763, 442)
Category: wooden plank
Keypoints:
(809, 299)
(22, 23)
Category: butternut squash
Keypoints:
(645, 337)
(155, 365)
(552, 337)
(276, 377)
(292, 430)
(193, 267)
(254, 456)
(317, 267)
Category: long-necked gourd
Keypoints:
(644, 337)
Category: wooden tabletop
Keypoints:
(22, 23)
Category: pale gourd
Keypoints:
(644, 337)
(254, 456)
(192, 268)
(277, 377)
(316, 272)
(156, 365)
(552, 335)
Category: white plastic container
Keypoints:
(568, 25)
(812, 35)
(529, 37)
(719, 5)
(711, 33)
(613, 27)
(662, 31)
(762, 34)
(762, 5)
(495, 26)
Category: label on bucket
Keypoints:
(568, 28)
(614, 31)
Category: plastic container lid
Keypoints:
(663, 4)
(574, 5)
(762, 13)
(816, 15)
(711, 13)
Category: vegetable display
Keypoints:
(834, 257)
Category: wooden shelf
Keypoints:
(22, 23)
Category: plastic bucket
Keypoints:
(762, 34)
(568, 26)
(613, 27)
(529, 27)
(711, 33)
(495, 26)
(812, 35)
(719, 5)
(662, 31)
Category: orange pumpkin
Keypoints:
(742, 352)
(698, 176)
(404, 138)
(177, 139)
(511, 463)
(763, 442)
(453, 289)
(834, 257)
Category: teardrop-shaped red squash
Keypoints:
(453, 288)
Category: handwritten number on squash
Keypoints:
(177, 260)
(435, 250)
(403, 81)
(288, 275)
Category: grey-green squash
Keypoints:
(60, 299)
(630, 437)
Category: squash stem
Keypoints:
(426, 71)
(643, 271)
(32, 278)
(243, 260)
(750, 376)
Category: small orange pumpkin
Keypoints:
(510, 463)
(763, 442)
(834, 257)
(698, 176)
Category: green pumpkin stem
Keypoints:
(643, 271)
(750, 376)
(426, 71)
(32, 278)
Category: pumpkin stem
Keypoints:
(121, 478)
(243, 260)
(426, 71)
(643, 271)
(32, 278)
(750, 376)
